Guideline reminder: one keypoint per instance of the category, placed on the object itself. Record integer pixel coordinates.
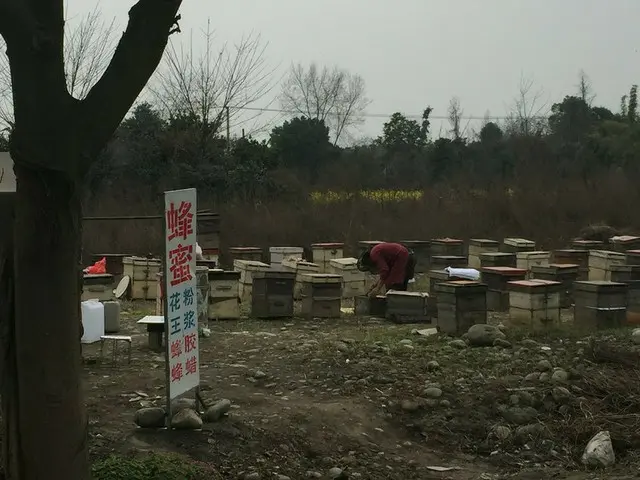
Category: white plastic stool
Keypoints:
(114, 353)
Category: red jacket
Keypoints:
(391, 261)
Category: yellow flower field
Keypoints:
(373, 195)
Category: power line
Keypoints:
(384, 115)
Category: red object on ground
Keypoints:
(391, 262)
(98, 268)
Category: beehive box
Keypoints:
(566, 274)
(526, 260)
(632, 257)
(439, 276)
(461, 304)
(99, 287)
(321, 295)
(535, 304)
(478, 246)
(515, 245)
(601, 261)
(300, 268)
(278, 254)
(497, 279)
(422, 252)
(600, 304)
(323, 253)
(439, 262)
(580, 244)
(353, 280)
(446, 247)
(272, 294)
(143, 276)
(224, 308)
(364, 245)
(623, 243)
(629, 274)
(573, 256)
(247, 268)
(625, 273)
(407, 307)
(253, 254)
(224, 294)
(371, 306)
(498, 259)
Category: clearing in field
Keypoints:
(362, 398)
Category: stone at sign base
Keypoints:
(186, 419)
(153, 417)
(599, 451)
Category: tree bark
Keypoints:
(51, 418)
(10, 402)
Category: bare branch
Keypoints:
(136, 57)
(88, 47)
(528, 115)
(332, 95)
(204, 86)
(585, 90)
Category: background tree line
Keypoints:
(186, 131)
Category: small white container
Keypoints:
(92, 321)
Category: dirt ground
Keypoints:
(377, 400)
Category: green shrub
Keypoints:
(152, 466)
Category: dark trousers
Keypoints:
(409, 273)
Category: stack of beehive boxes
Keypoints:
(300, 268)
(353, 280)
(323, 253)
(246, 269)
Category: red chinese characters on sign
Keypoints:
(190, 343)
(176, 372)
(191, 365)
(180, 258)
(176, 348)
(179, 221)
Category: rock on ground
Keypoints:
(599, 451)
(217, 411)
(186, 419)
(483, 335)
(153, 417)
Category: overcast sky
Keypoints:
(413, 53)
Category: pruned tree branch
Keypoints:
(136, 57)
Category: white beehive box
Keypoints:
(142, 273)
(526, 260)
(300, 268)
(478, 246)
(278, 254)
(600, 263)
(353, 280)
(323, 253)
(535, 304)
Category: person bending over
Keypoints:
(394, 263)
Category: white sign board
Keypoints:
(181, 297)
(7, 176)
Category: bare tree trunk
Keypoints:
(8, 372)
(47, 246)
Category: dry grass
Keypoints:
(547, 211)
